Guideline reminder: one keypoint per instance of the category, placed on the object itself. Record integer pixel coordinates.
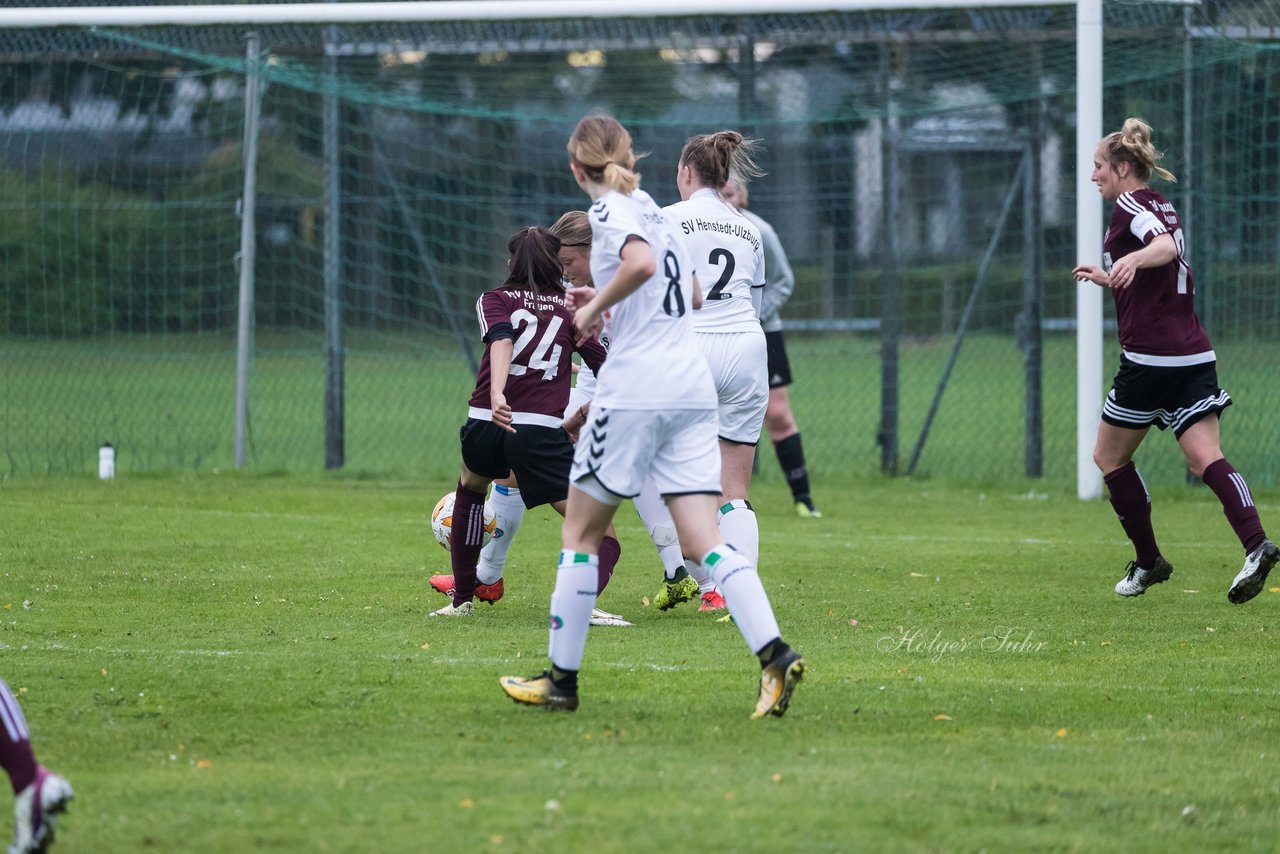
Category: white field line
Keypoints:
(699, 667)
(603, 665)
(1171, 545)
(224, 653)
(140, 651)
(1094, 686)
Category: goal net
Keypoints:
(921, 175)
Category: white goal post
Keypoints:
(456, 10)
(1088, 103)
(1088, 245)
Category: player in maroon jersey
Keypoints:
(39, 794)
(1168, 370)
(516, 411)
(574, 232)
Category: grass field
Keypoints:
(222, 663)
(168, 405)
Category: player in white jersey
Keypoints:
(654, 415)
(728, 258)
(779, 421)
(574, 231)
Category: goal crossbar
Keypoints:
(456, 10)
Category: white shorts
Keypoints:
(739, 363)
(619, 448)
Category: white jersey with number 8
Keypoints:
(728, 257)
(654, 360)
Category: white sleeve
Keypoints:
(612, 222)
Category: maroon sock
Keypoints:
(466, 542)
(16, 756)
(1237, 503)
(606, 560)
(1132, 504)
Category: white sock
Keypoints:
(740, 585)
(700, 575)
(672, 559)
(739, 528)
(508, 507)
(662, 530)
(571, 602)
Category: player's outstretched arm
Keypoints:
(500, 353)
(1090, 273)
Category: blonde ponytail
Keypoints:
(1132, 144)
(602, 147)
(620, 178)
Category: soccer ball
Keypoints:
(442, 522)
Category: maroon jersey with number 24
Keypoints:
(538, 384)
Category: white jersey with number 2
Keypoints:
(728, 256)
(654, 359)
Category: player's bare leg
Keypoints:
(781, 667)
(587, 519)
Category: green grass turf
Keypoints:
(245, 664)
(168, 404)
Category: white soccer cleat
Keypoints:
(466, 609)
(1253, 576)
(604, 618)
(36, 810)
(1137, 579)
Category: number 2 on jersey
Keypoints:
(717, 256)
(539, 360)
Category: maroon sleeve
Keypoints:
(493, 309)
(593, 352)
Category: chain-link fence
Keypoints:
(921, 176)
